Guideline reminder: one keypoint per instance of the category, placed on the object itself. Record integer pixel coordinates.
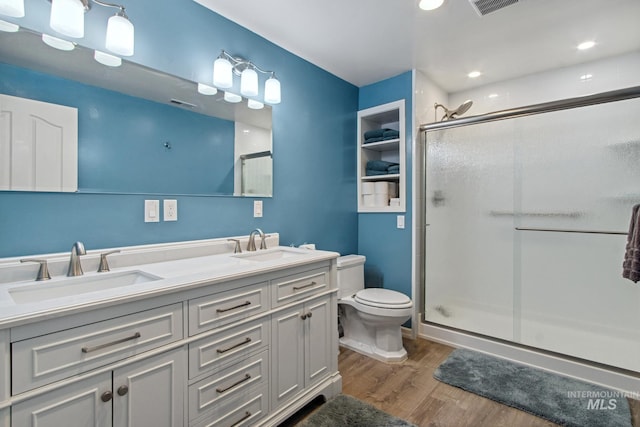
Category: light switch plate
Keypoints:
(152, 211)
(400, 221)
(257, 208)
(170, 209)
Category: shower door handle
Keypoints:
(559, 230)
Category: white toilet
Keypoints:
(370, 318)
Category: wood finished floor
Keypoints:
(409, 391)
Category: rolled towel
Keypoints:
(380, 165)
(390, 134)
(374, 139)
(631, 263)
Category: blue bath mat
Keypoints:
(558, 399)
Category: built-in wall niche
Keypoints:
(140, 130)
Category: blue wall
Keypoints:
(314, 129)
(387, 248)
(121, 138)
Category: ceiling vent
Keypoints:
(485, 7)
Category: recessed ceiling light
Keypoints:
(493, 95)
(586, 45)
(474, 74)
(430, 4)
(586, 77)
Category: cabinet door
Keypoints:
(317, 340)
(77, 405)
(151, 392)
(5, 420)
(288, 355)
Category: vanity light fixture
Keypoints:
(14, 8)
(8, 27)
(107, 59)
(430, 4)
(206, 89)
(226, 65)
(67, 17)
(255, 105)
(232, 97)
(58, 43)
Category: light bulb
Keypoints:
(222, 73)
(13, 8)
(206, 89)
(8, 27)
(107, 59)
(249, 82)
(120, 35)
(272, 91)
(255, 105)
(67, 17)
(232, 97)
(430, 4)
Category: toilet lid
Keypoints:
(384, 298)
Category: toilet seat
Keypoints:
(383, 298)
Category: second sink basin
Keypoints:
(43, 291)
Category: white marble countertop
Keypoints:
(174, 275)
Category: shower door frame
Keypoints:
(421, 153)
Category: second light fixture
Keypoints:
(226, 65)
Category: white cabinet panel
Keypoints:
(288, 355)
(38, 145)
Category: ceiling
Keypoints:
(365, 41)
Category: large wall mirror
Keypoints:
(140, 130)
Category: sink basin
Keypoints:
(69, 286)
(269, 254)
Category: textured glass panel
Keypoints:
(469, 273)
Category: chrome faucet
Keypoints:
(251, 246)
(75, 267)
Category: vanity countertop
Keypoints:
(172, 276)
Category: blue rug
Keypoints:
(555, 398)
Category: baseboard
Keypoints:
(624, 381)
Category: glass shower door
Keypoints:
(469, 237)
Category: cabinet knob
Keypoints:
(106, 396)
(303, 317)
(309, 314)
(122, 390)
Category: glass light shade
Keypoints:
(67, 17)
(107, 59)
(206, 89)
(8, 27)
(255, 105)
(249, 82)
(120, 35)
(430, 4)
(13, 8)
(232, 97)
(272, 91)
(222, 73)
(57, 43)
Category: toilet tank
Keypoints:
(350, 274)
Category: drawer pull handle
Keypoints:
(297, 288)
(247, 377)
(246, 415)
(246, 341)
(109, 344)
(223, 310)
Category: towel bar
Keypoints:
(542, 214)
(557, 230)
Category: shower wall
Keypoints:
(491, 188)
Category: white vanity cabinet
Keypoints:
(149, 392)
(301, 348)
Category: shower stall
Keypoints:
(527, 213)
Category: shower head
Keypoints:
(450, 114)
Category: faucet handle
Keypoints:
(237, 249)
(263, 241)
(104, 265)
(43, 272)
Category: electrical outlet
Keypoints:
(152, 211)
(257, 208)
(170, 208)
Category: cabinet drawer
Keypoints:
(219, 309)
(211, 353)
(244, 410)
(297, 286)
(230, 383)
(48, 358)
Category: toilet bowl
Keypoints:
(370, 318)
